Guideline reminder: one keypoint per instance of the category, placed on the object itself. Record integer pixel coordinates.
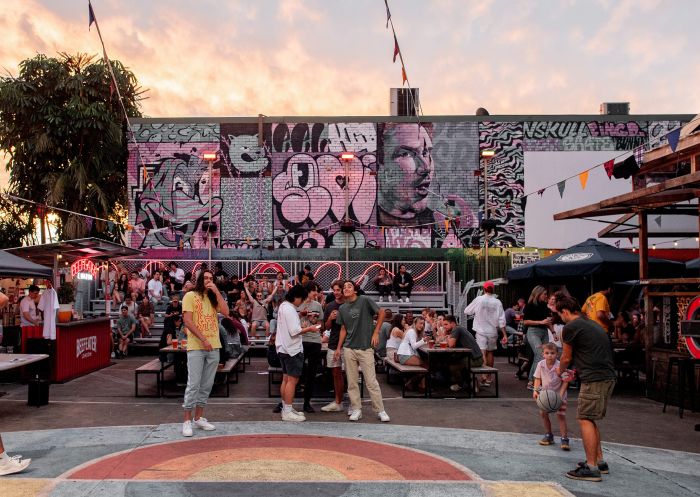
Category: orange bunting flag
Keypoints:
(403, 75)
(382, 230)
(129, 227)
(145, 175)
(396, 48)
(583, 178)
(447, 225)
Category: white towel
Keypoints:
(48, 304)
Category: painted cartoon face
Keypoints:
(245, 153)
(407, 171)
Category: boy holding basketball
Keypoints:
(547, 378)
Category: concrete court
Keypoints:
(430, 448)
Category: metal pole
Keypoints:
(347, 209)
(211, 196)
(486, 216)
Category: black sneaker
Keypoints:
(278, 408)
(548, 439)
(584, 472)
(603, 467)
(309, 408)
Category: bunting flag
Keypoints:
(178, 241)
(673, 138)
(145, 175)
(523, 201)
(561, 185)
(88, 224)
(403, 75)
(609, 165)
(396, 48)
(541, 192)
(477, 172)
(617, 243)
(657, 220)
(447, 225)
(583, 178)
(41, 210)
(388, 14)
(631, 240)
(91, 16)
(382, 230)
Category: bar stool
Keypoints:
(685, 368)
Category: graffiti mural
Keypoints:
(506, 180)
(175, 133)
(173, 197)
(583, 136)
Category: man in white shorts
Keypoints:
(489, 319)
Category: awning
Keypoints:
(72, 250)
(12, 265)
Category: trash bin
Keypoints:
(38, 392)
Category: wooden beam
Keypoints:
(618, 202)
(663, 156)
(670, 281)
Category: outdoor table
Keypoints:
(441, 355)
(180, 362)
(12, 361)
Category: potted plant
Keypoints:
(66, 297)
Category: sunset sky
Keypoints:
(322, 57)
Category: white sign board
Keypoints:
(521, 258)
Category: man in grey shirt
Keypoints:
(358, 341)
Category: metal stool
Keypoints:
(685, 368)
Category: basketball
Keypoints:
(549, 401)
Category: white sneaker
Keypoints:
(390, 300)
(187, 429)
(407, 300)
(14, 464)
(383, 417)
(381, 299)
(455, 387)
(356, 415)
(292, 416)
(203, 424)
(332, 407)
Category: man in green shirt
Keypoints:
(358, 337)
(126, 326)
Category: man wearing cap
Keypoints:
(489, 319)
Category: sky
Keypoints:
(334, 57)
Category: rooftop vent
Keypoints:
(615, 108)
(403, 101)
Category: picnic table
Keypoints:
(12, 361)
(437, 357)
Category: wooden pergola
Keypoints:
(676, 194)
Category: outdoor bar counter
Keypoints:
(80, 347)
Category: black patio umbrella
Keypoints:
(594, 258)
(11, 265)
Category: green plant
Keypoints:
(66, 293)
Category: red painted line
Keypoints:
(410, 464)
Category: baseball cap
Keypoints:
(489, 284)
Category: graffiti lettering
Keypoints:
(547, 129)
(352, 137)
(310, 189)
(630, 128)
(407, 238)
(176, 133)
(300, 137)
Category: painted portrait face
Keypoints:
(407, 170)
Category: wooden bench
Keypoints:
(152, 367)
(483, 370)
(404, 371)
(229, 371)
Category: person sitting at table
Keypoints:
(514, 316)
(174, 307)
(459, 337)
(398, 330)
(384, 333)
(172, 328)
(624, 331)
(232, 332)
(125, 327)
(413, 339)
(145, 315)
(429, 315)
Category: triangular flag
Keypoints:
(523, 202)
(541, 191)
(396, 48)
(388, 14)
(403, 75)
(583, 178)
(561, 185)
(631, 239)
(657, 220)
(609, 165)
(673, 138)
(477, 172)
(88, 224)
(447, 225)
(91, 16)
(617, 243)
(145, 175)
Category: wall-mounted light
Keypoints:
(347, 156)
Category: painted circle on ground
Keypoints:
(272, 458)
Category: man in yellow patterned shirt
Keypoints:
(597, 308)
(199, 312)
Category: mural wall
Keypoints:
(409, 185)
